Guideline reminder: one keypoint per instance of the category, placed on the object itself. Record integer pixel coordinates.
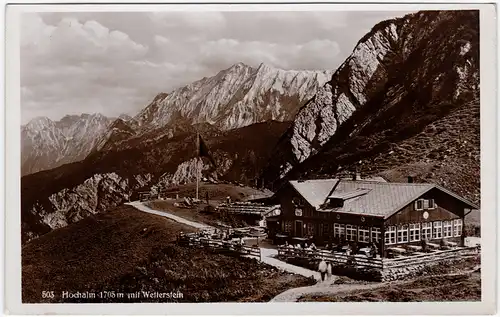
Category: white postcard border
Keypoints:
(488, 84)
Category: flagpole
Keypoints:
(197, 163)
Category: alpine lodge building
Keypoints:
(340, 211)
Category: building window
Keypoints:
(326, 229)
(422, 204)
(457, 227)
(375, 234)
(419, 204)
(437, 230)
(338, 230)
(414, 232)
(403, 234)
(350, 232)
(447, 229)
(363, 234)
(310, 229)
(431, 204)
(390, 235)
(426, 231)
(287, 226)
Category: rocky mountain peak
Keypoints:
(235, 97)
(39, 123)
(47, 144)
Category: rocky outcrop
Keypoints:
(96, 194)
(186, 173)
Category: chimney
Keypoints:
(410, 179)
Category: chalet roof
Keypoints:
(314, 191)
(380, 199)
(344, 195)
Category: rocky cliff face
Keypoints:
(46, 144)
(235, 97)
(403, 76)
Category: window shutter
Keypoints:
(416, 204)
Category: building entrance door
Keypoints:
(298, 228)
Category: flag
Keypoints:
(203, 150)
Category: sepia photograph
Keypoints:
(251, 156)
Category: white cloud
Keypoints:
(316, 54)
(192, 20)
(116, 62)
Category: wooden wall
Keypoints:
(447, 209)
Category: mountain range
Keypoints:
(157, 146)
(405, 102)
(233, 98)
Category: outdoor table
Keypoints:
(398, 250)
(415, 247)
(433, 245)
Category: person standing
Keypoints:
(322, 268)
(329, 270)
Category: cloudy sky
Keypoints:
(116, 62)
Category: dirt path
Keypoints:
(292, 295)
(140, 206)
(268, 256)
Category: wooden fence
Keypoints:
(221, 246)
(434, 256)
(357, 260)
(362, 261)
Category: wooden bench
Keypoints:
(452, 244)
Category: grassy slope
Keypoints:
(125, 250)
(453, 288)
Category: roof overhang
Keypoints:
(351, 213)
(465, 201)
